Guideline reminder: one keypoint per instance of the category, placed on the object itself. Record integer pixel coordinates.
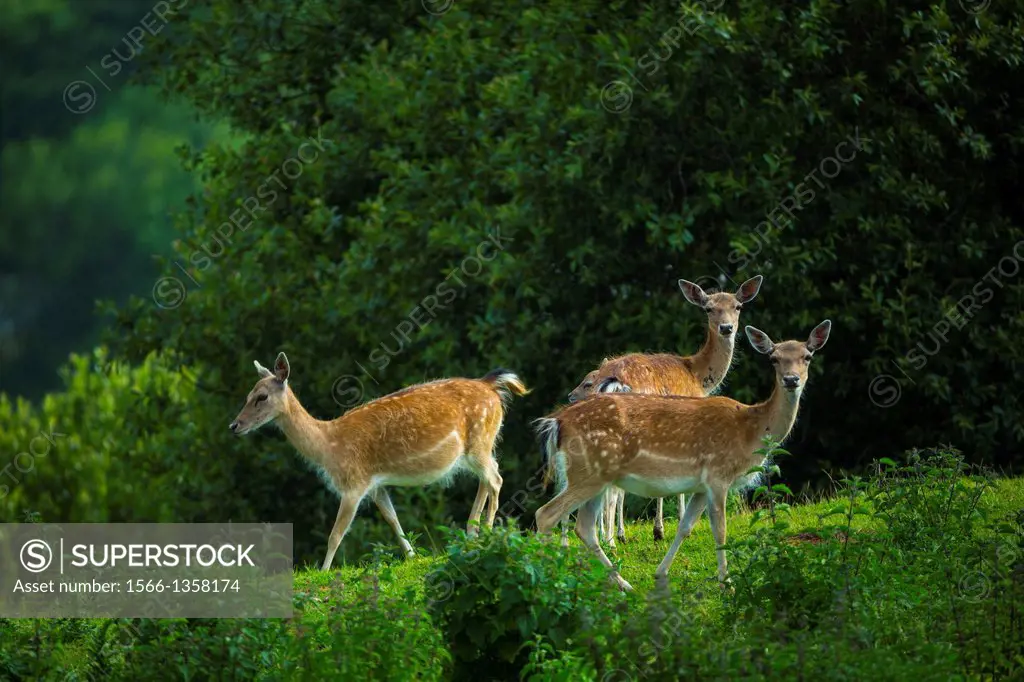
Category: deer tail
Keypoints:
(506, 383)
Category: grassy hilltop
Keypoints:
(916, 573)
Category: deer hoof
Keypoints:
(659, 534)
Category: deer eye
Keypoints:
(260, 399)
(739, 306)
(588, 384)
(774, 360)
(807, 358)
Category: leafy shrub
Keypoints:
(494, 593)
(188, 649)
(932, 501)
(91, 454)
(799, 578)
(367, 635)
(361, 634)
(989, 590)
(672, 637)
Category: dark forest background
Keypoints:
(608, 148)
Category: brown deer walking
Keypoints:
(662, 445)
(419, 435)
(695, 375)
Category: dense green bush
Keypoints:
(480, 200)
(103, 448)
(363, 634)
(802, 579)
(930, 501)
(669, 639)
(498, 592)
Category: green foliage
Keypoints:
(89, 182)
(802, 579)
(885, 610)
(991, 587)
(799, 579)
(94, 453)
(474, 190)
(846, 603)
(103, 194)
(496, 593)
(366, 634)
(932, 501)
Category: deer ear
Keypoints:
(819, 335)
(263, 371)
(693, 293)
(759, 340)
(748, 290)
(613, 385)
(281, 367)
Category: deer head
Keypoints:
(723, 308)
(585, 388)
(791, 358)
(267, 399)
(596, 383)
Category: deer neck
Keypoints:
(307, 434)
(776, 416)
(712, 361)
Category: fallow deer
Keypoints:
(695, 375)
(653, 446)
(419, 435)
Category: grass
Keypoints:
(325, 595)
(695, 565)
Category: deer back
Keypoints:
(658, 373)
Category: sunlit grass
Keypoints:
(320, 594)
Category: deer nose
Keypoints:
(572, 398)
(725, 329)
(233, 427)
(791, 381)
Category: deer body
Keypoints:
(663, 445)
(419, 435)
(697, 375)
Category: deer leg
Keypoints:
(609, 515)
(495, 482)
(585, 522)
(346, 511)
(563, 520)
(659, 520)
(387, 510)
(563, 504)
(486, 469)
(473, 527)
(622, 522)
(687, 520)
(716, 513)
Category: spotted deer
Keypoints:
(695, 375)
(654, 445)
(419, 435)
